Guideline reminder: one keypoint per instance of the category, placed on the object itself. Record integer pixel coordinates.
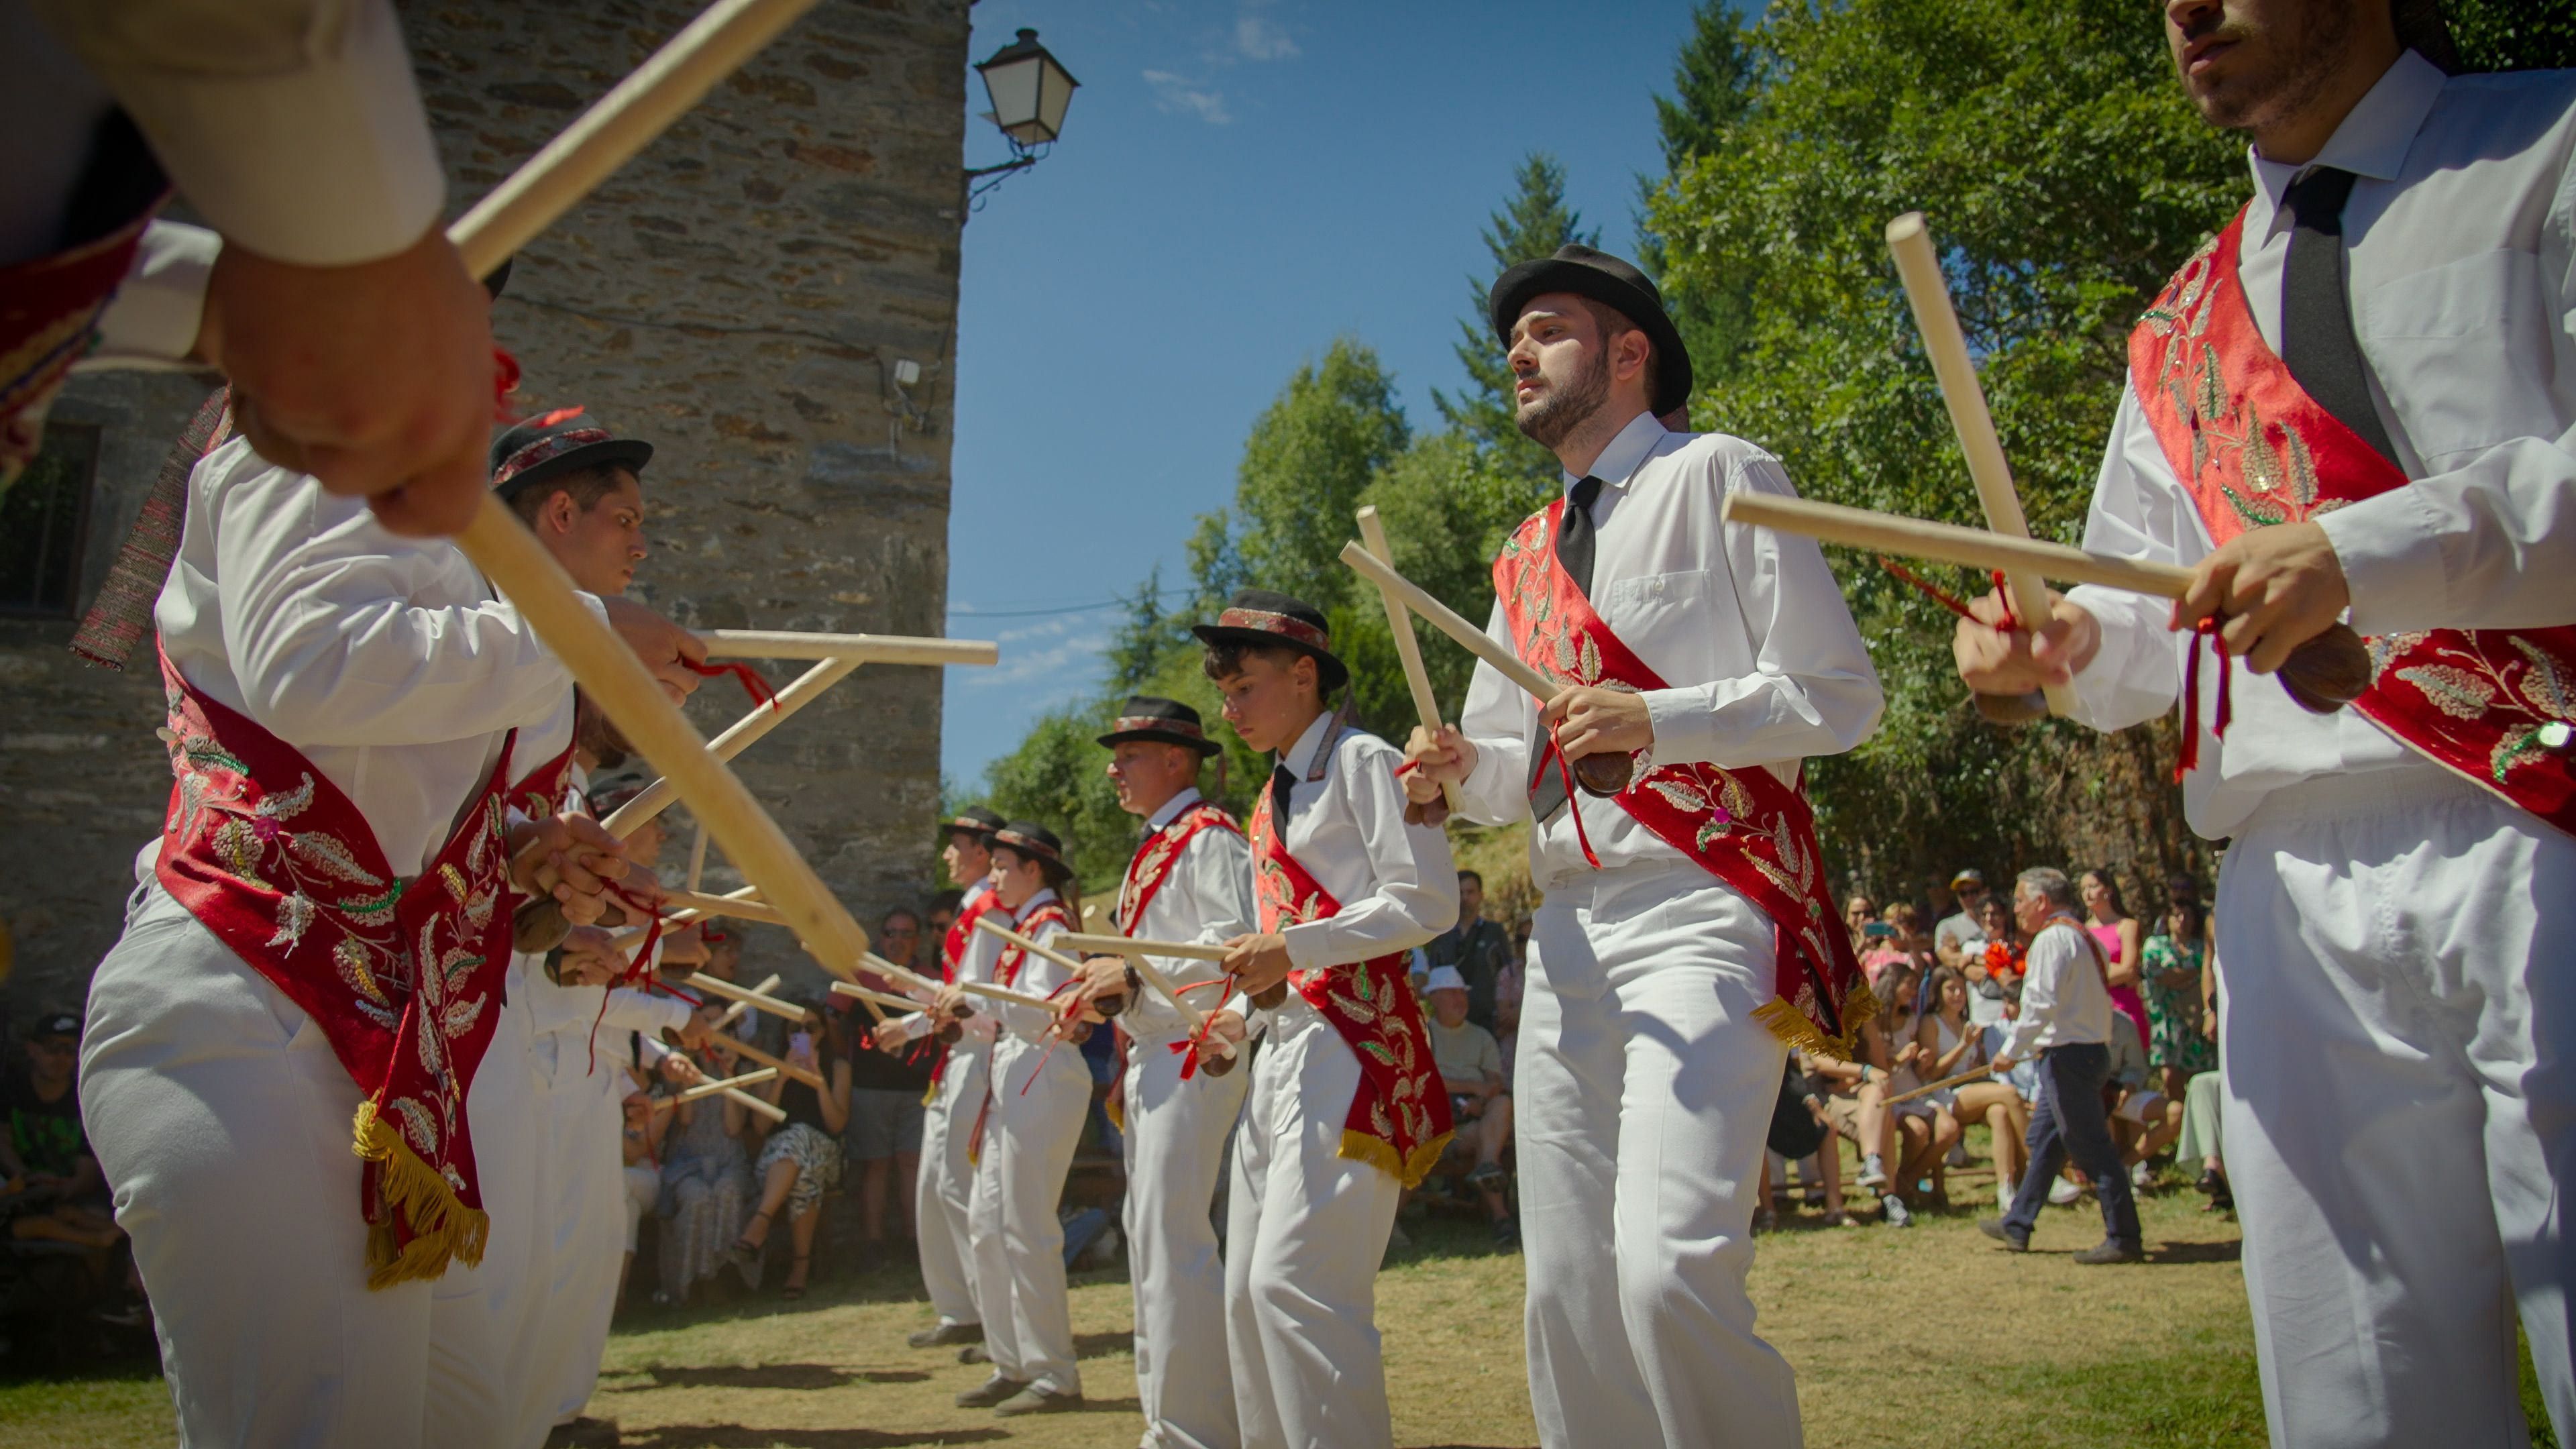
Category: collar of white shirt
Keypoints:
(1173, 807)
(1627, 451)
(1300, 758)
(2372, 141)
(1029, 906)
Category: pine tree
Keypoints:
(1716, 79)
(1532, 224)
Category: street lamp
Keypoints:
(1029, 91)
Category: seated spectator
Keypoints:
(1925, 1128)
(1955, 1045)
(801, 1158)
(705, 1180)
(2144, 1121)
(641, 1151)
(2178, 1044)
(51, 1189)
(1507, 1018)
(1801, 1132)
(1992, 960)
(2200, 1140)
(1859, 914)
(1471, 1071)
(1950, 938)
(883, 1142)
(1855, 1102)
(1477, 947)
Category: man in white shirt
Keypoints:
(1190, 880)
(2393, 305)
(1345, 1110)
(944, 1190)
(1688, 936)
(341, 700)
(357, 347)
(2065, 1024)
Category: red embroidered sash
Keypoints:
(952, 953)
(1006, 967)
(2256, 450)
(402, 975)
(1742, 826)
(1156, 857)
(49, 310)
(1399, 1118)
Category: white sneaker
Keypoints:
(2004, 1194)
(2139, 1177)
(1898, 1216)
(2061, 1192)
(1873, 1171)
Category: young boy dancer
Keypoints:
(943, 1191)
(1688, 937)
(1039, 1095)
(1346, 1109)
(1190, 880)
(319, 943)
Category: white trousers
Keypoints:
(224, 1120)
(1175, 1149)
(482, 1332)
(1645, 1093)
(1305, 1230)
(2397, 1020)
(1018, 1240)
(943, 1190)
(585, 1210)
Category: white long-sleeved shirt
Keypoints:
(2460, 244)
(1038, 976)
(2065, 1000)
(1206, 896)
(293, 126)
(384, 660)
(1746, 625)
(1395, 881)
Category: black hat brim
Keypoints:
(1514, 289)
(1332, 675)
(630, 454)
(1200, 743)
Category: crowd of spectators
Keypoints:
(63, 1260)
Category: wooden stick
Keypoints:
(713, 1089)
(1151, 975)
(1447, 620)
(745, 995)
(1128, 946)
(734, 1012)
(987, 923)
(633, 936)
(700, 906)
(892, 972)
(803, 690)
(698, 858)
(1929, 294)
(1930, 1088)
(1408, 648)
(745, 1049)
(875, 998)
(858, 648)
(1922, 538)
(618, 125)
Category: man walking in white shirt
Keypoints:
(2065, 1025)
(2356, 396)
(1688, 937)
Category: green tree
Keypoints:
(1311, 454)
(1533, 223)
(1715, 81)
(2511, 34)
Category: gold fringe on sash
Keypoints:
(418, 1195)
(1790, 1024)
(1379, 1153)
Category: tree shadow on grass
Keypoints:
(2229, 1251)
(769, 1376)
(738, 1436)
(1102, 1345)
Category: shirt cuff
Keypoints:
(2390, 548)
(328, 164)
(157, 310)
(1683, 728)
(1310, 944)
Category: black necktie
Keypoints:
(1574, 534)
(1282, 780)
(2316, 307)
(1574, 537)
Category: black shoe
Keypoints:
(583, 1433)
(1035, 1400)
(2108, 1251)
(2001, 1232)
(1486, 1175)
(1507, 1234)
(990, 1392)
(973, 1353)
(940, 1335)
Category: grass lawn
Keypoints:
(1926, 1334)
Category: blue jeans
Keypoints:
(2068, 1121)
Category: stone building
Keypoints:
(741, 296)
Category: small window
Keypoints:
(44, 520)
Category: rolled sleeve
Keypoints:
(2491, 545)
(157, 311)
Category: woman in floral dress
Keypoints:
(2170, 982)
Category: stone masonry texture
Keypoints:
(739, 296)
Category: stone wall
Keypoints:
(739, 296)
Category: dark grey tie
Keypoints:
(1574, 540)
(1282, 780)
(2317, 339)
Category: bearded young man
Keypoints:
(1688, 937)
(2358, 396)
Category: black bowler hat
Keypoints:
(1165, 721)
(1264, 619)
(1614, 284)
(552, 444)
(974, 820)
(1032, 840)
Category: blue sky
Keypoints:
(1240, 181)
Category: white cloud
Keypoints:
(1256, 38)
(1059, 652)
(1182, 96)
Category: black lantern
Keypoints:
(1028, 89)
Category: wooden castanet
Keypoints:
(2323, 674)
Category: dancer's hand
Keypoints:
(1258, 962)
(684, 946)
(1596, 721)
(568, 859)
(1993, 660)
(679, 1071)
(2277, 587)
(1436, 757)
(1227, 1026)
(661, 644)
(589, 958)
